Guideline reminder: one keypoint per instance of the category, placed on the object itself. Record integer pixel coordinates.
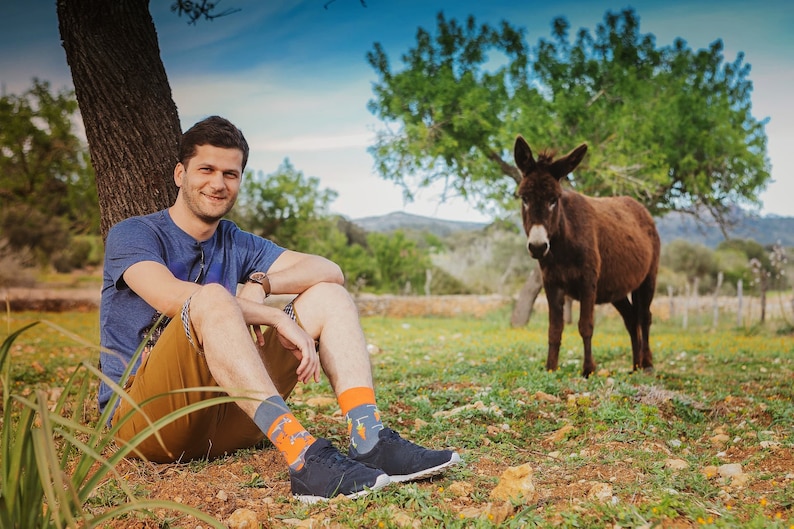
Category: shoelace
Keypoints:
(393, 437)
(330, 457)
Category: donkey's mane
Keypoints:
(546, 157)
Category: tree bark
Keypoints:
(131, 121)
(522, 310)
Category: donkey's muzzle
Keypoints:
(538, 250)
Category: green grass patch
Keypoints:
(654, 442)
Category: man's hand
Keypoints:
(296, 340)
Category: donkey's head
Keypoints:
(540, 192)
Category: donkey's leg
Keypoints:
(586, 315)
(629, 314)
(556, 299)
(643, 297)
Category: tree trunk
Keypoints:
(130, 118)
(526, 299)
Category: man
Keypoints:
(185, 263)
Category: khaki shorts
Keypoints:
(175, 363)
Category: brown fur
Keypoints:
(594, 250)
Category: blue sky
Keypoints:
(293, 75)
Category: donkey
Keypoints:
(594, 250)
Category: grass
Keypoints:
(618, 449)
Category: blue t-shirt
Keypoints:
(125, 319)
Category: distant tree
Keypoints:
(400, 263)
(47, 192)
(694, 261)
(734, 265)
(749, 248)
(282, 204)
(43, 163)
(669, 126)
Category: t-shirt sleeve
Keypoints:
(260, 253)
(130, 242)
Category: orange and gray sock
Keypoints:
(284, 431)
(362, 416)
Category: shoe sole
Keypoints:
(428, 472)
(381, 482)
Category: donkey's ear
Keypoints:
(565, 165)
(523, 156)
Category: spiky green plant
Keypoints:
(51, 461)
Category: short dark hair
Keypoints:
(215, 131)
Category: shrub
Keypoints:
(51, 463)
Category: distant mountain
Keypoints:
(398, 220)
(765, 230)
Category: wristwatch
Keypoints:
(262, 279)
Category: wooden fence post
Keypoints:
(716, 305)
(740, 303)
(685, 318)
(670, 292)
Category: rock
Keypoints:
(546, 397)
(515, 484)
(560, 434)
(461, 488)
(676, 464)
(600, 492)
(719, 439)
(730, 470)
(403, 520)
(243, 519)
(498, 512)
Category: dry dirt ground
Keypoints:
(222, 489)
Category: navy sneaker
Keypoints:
(403, 460)
(326, 473)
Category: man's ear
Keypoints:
(179, 172)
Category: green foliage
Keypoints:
(47, 186)
(693, 260)
(28, 228)
(401, 266)
(44, 166)
(449, 109)
(51, 462)
(668, 125)
(292, 210)
(734, 265)
(280, 205)
(14, 266)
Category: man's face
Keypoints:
(210, 182)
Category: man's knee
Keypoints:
(210, 300)
(331, 295)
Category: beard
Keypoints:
(203, 209)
